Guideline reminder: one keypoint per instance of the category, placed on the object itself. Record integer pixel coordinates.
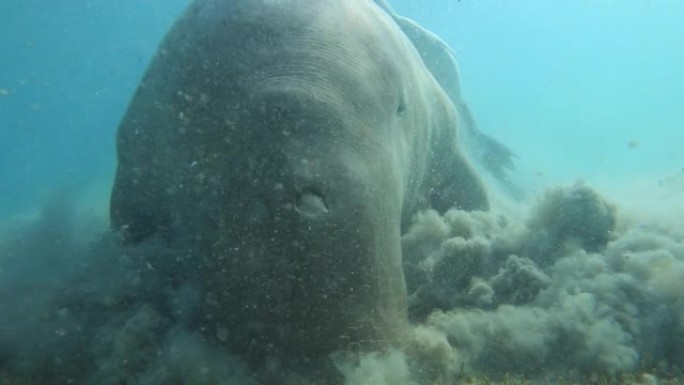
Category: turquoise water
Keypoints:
(68, 70)
(568, 85)
(582, 280)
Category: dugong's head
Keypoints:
(279, 143)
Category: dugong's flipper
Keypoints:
(493, 155)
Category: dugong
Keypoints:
(281, 145)
(440, 59)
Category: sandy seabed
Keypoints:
(574, 289)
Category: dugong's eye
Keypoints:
(401, 108)
(401, 104)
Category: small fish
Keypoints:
(632, 144)
(4, 92)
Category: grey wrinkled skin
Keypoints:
(495, 157)
(283, 144)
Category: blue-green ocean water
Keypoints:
(583, 89)
(578, 89)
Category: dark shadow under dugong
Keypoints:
(282, 145)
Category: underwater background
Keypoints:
(580, 90)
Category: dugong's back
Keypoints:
(277, 143)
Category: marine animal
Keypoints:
(282, 145)
(494, 157)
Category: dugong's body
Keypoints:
(282, 144)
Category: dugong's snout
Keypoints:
(302, 240)
(290, 215)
